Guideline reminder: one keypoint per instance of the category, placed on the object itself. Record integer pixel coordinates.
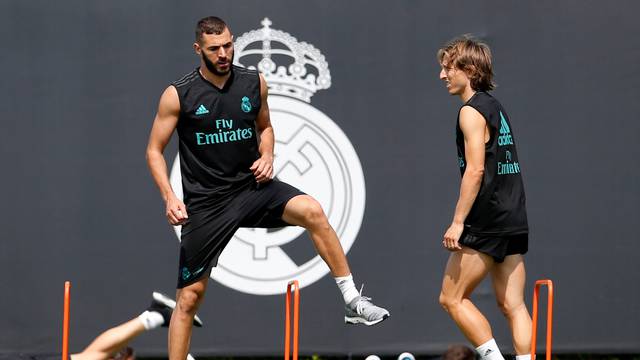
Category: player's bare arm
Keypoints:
(263, 167)
(164, 124)
(474, 128)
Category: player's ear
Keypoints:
(197, 48)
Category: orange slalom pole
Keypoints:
(534, 330)
(287, 326)
(65, 321)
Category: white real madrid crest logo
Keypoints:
(311, 153)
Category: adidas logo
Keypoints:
(489, 351)
(504, 127)
(202, 110)
(505, 137)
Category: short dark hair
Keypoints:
(471, 56)
(210, 25)
(459, 352)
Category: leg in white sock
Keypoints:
(347, 287)
(489, 351)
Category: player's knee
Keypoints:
(314, 215)
(448, 302)
(189, 300)
(509, 307)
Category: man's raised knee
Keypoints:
(314, 215)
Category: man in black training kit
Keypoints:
(226, 144)
(489, 231)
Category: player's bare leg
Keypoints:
(508, 283)
(188, 301)
(305, 211)
(110, 341)
(465, 270)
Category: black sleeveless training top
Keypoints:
(499, 208)
(217, 135)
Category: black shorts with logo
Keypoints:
(206, 233)
(498, 247)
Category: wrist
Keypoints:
(457, 222)
(167, 195)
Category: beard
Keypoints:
(211, 66)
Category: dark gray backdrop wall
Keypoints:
(81, 81)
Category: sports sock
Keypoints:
(151, 319)
(347, 287)
(489, 351)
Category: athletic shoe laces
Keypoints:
(363, 302)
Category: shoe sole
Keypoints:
(167, 301)
(359, 320)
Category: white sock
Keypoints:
(489, 351)
(151, 320)
(347, 287)
(523, 357)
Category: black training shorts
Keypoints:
(206, 233)
(498, 247)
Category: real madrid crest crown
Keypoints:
(307, 73)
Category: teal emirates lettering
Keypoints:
(508, 168)
(223, 136)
